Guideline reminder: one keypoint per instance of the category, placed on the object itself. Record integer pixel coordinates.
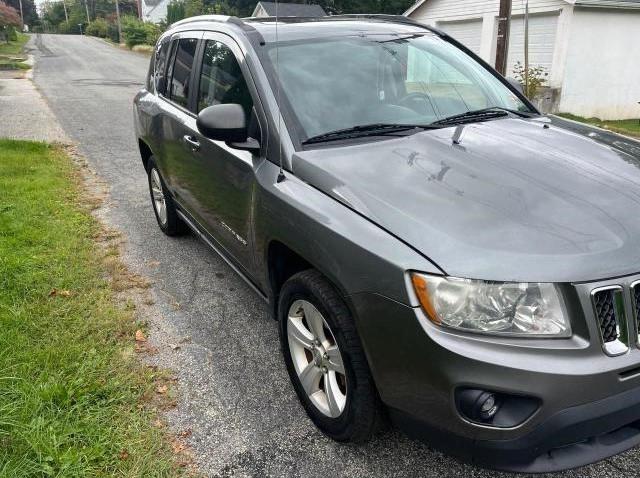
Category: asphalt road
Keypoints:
(234, 394)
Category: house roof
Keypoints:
(292, 9)
(609, 3)
(584, 3)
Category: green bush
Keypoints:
(12, 34)
(112, 32)
(136, 32)
(98, 28)
(175, 11)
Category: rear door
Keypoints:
(179, 119)
(222, 186)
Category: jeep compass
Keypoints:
(434, 250)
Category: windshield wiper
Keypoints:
(376, 129)
(480, 115)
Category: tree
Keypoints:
(9, 20)
(28, 10)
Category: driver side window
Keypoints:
(221, 79)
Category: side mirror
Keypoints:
(223, 123)
(516, 84)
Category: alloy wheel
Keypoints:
(159, 201)
(316, 358)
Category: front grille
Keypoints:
(635, 294)
(604, 303)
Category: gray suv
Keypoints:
(435, 251)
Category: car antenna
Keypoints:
(281, 176)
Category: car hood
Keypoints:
(516, 199)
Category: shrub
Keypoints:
(112, 32)
(536, 76)
(175, 11)
(12, 34)
(98, 28)
(137, 32)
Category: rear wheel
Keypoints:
(325, 360)
(164, 206)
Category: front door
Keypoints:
(223, 187)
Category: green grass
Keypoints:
(14, 47)
(12, 50)
(629, 127)
(72, 393)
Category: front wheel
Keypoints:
(325, 359)
(164, 206)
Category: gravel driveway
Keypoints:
(234, 394)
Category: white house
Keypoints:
(590, 48)
(154, 10)
(268, 9)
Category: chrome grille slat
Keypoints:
(635, 300)
(606, 314)
(609, 309)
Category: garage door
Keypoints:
(469, 32)
(542, 41)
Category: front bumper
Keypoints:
(571, 438)
(589, 402)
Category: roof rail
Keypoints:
(202, 18)
(380, 16)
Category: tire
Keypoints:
(359, 416)
(168, 219)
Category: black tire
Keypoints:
(362, 414)
(173, 226)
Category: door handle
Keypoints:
(193, 143)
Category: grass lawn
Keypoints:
(10, 51)
(73, 395)
(629, 127)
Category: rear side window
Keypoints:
(181, 72)
(221, 80)
(159, 63)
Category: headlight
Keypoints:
(508, 308)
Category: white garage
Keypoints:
(468, 32)
(586, 47)
(542, 41)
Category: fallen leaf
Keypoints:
(64, 293)
(124, 454)
(178, 447)
(186, 433)
(53, 292)
(174, 346)
(162, 389)
(158, 423)
(140, 336)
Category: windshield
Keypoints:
(343, 82)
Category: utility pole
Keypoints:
(21, 16)
(118, 20)
(504, 26)
(66, 15)
(526, 47)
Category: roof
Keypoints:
(582, 3)
(298, 28)
(292, 9)
(634, 4)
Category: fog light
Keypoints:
(495, 409)
(488, 406)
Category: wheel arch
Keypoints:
(145, 153)
(283, 262)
